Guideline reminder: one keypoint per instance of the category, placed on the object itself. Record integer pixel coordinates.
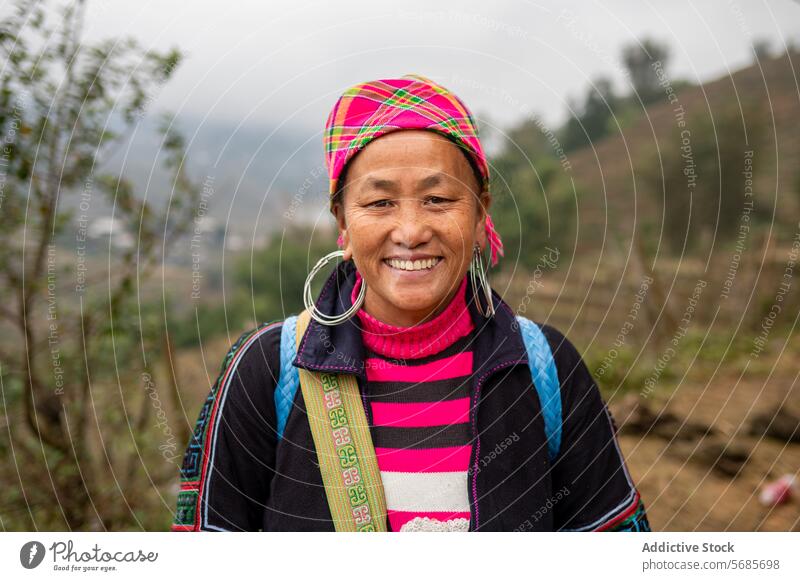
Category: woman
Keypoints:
(454, 433)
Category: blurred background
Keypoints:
(163, 189)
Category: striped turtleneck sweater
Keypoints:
(418, 386)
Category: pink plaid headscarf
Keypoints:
(368, 110)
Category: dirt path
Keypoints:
(677, 479)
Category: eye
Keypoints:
(379, 204)
(438, 200)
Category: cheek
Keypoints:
(458, 233)
(366, 234)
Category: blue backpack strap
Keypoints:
(545, 379)
(289, 379)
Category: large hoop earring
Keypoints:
(309, 300)
(479, 278)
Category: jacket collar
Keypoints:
(339, 348)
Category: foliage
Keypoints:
(602, 111)
(534, 204)
(627, 371)
(590, 119)
(70, 326)
(639, 60)
(696, 178)
(272, 279)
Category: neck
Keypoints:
(388, 313)
(420, 340)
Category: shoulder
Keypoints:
(253, 359)
(578, 386)
(235, 424)
(244, 391)
(565, 354)
(560, 345)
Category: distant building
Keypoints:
(106, 229)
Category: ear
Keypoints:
(338, 213)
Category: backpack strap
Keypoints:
(338, 423)
(343, 443)
(545, 380)
(289, 379)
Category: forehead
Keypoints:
(409, 149)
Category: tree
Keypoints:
(533, 204)
(273, 278)
(639, 60)
(698, 177)
(65, 106)
(591, 120)
(762, 49)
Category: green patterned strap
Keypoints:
(344, 447)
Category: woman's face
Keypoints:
(409, 217)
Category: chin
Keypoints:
(423, 300)
(413, 301)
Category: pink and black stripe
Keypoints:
(421, 432)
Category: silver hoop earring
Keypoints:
(309, 300)
(479, 277)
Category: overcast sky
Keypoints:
(274, 62)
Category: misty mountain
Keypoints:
(254, 174)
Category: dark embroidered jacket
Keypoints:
(237, 477)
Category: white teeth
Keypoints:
(413, 265)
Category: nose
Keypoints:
(411, 225)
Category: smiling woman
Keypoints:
(377, 407)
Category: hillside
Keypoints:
(610, 172)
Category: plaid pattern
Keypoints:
(368, 110)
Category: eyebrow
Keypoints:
(391, 186)
(380, 184)
(430, 181)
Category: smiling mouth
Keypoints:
(413, 265)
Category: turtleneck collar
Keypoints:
(417, 341)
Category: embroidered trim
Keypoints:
(633, 520)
